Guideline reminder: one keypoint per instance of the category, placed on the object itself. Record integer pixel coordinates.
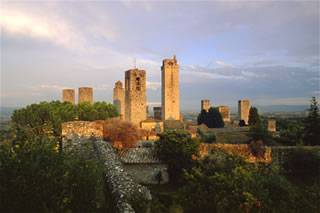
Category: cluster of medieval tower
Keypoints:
(131, 100)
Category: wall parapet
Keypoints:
(124, 190)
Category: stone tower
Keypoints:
(119, 99)
(135, 96)
(68, 95)
(243, 110)
(272, 125)
(170, 89)
(85, 95)
(205, 105)
(225, 113)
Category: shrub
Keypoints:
(177, 148)
(35, 177)
(302, 165)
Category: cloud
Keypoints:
(223, 64)
(39, 26)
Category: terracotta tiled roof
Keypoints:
(138, 155)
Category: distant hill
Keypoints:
(6, 112)
(283, 108)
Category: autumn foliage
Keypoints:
(121, 133)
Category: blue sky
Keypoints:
(267, 51)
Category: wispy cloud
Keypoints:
(153, 85)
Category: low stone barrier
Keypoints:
(124, 190)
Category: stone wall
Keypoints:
(84, 129)
(242, 150)
(124, 190)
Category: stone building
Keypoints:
(225, 113)
(170, 89)
(243, 110)
(272, 125)
(119, 99)
(151, 128)
(135, 96)
(157, 113)
(205, 105)
(85, 95)
(68, 95)
(143, 165)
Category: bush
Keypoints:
(225, 183)
(177, 148)
(302, 165)
(35, 177)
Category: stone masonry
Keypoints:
(68, 95)
(170, 89)
(119, 99)
(205, 105)
(135, 96)
(84, 129)
(243, 110)
(225, 113)
(85, 95)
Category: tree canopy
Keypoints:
(253, 116)
(312, 125)
(45, 118)
(177, 148)
(212, 118)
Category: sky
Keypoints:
(265, 51)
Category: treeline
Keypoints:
(45, 118)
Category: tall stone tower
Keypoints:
(225, 113)
(170, 89)
(68, 95)
(119, 99)
(135, 96)
(243, 110)
(205, 105)
(85, 95)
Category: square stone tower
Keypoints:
(205, 105)
(225, 113)
(170, 89)
(119, 99)
(243, 110)
(85, 95)
(272, 125)
(68, 95)
(135, 96)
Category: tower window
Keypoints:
(138, 84)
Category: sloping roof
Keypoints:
(138, 155)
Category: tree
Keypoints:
(214, 118)
(44, 119)
(312, 125)
(260, 132)
(211, 119)
(225, 183)
(253, 116)
(202, 117)
(177, 149)
(121, 133)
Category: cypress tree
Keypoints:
(312, 125)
